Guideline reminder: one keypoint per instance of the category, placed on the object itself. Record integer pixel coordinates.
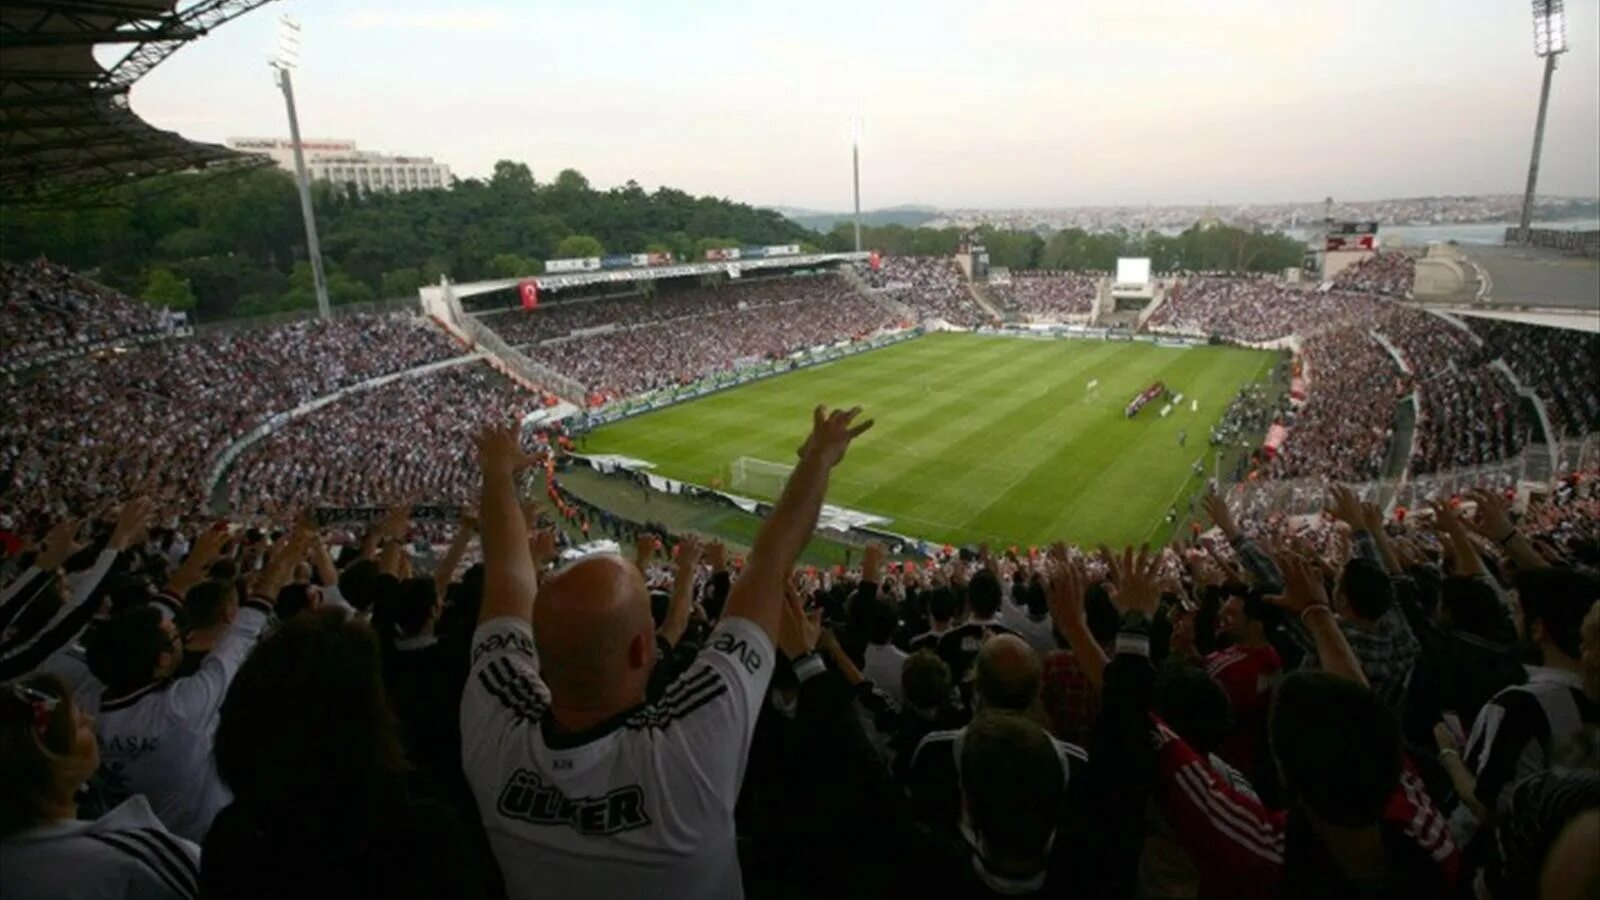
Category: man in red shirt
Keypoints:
(1247, 668)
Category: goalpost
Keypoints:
(759, 476)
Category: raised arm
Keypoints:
(758, 594)
(1305, 597)
(1494, 522)
(446, 570)
(684, 559)
(1065, 586)
(510, 579)
(206, 550)
(1467, 560)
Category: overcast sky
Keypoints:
(997, 103)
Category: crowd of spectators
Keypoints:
(796, 315)
(1343, 429)
(1390, 274)
(1375, 706)
(47, 311)
(1256, 310)
(933, 288)
(1469, 414)
(406, 438)
(1047, 295)
(152, 419)
(1558, 364)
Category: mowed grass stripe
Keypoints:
(978, 438)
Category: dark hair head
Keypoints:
(37, 763)
(1429, 582)
(1258, 609)
(1101, 613)
(983, 595)
(293, 599)
(207, 603)
(925, 679)
(124, 650)
(882, 620)
(224, 570)
(1367, 588)
(355, 583)
(941, 603)
(1035, 598)
(1337, 746)
(306, 720)
(1014, 784)
(415, 601)
(1193, 705)
(1474, 607)
(660, 603)
(1559, 598)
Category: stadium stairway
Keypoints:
(898, 309)
(983, 301)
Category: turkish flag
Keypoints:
(529, 290)
(875, 260)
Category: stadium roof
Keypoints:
(65, 124)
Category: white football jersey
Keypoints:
(640, 806)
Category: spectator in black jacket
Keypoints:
(308, 745)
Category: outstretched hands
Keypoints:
(1138, 586)
(831, 434)
(1302, 584)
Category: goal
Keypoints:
(759, 476)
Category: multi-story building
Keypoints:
(340, 162)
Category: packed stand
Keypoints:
(1559, 364)
(933, 287)
(1048, 294)
(1344, 428)
(1255, 310)
(549, 321)
(407, 438)
(152, 420)
(1390, 274)
(1390, 707)
(47, 311)
(629, 361)
(1469, 414)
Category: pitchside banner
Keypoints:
(528, 290)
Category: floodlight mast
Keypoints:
(1549, 41)
(855, 174)
(283, 62)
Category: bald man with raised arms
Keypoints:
(585, 789)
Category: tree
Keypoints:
(512, 178)
(401, 282)
(571, 181)
(163, 288)
(578, 246)
(509, 265)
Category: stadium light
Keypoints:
(1549, 41)
(284, 61)
(856, 126)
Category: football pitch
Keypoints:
(977, 439)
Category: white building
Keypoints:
(340, 162)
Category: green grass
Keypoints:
(978, 438)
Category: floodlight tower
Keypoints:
(282, 63)
(1549, 41)
(855, 173)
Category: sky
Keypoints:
(1004, 103)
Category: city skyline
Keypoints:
(1244, 102)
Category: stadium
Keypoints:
(473, 554)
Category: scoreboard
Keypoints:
(1352, 236)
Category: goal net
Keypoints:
(759, 476)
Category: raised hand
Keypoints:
(59, 544)
(872, 562)
(1065, 585)
(1302, 584)
(1346, 506)
(1494, 515)
(1217, 509)
(542, 546)
(831, 434)
(798, 630)
(686, 555)
(717, 555)
(131, 521)
(1136, 581)
(500, 450)
(644, 550)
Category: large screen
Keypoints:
(1133, 271)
